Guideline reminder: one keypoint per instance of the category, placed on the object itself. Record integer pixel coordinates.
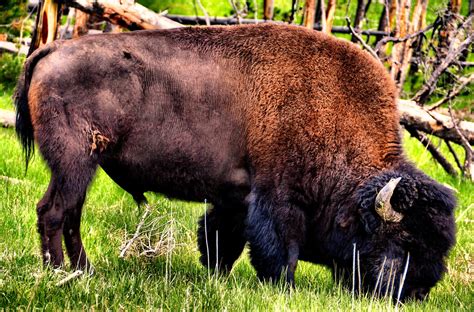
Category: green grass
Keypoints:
(175, 280)
(6, 100)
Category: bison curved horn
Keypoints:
(382, 202)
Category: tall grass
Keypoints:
(172, 278)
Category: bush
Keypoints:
(10, 68)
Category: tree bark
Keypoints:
(268, 10)
(322, 16)
(407, 47)
(130, 16)
(399, 49)
(309, 11)
(359, 17)
(434, 123)
(330, 15)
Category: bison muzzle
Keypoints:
(292, 135)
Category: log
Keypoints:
(7, 118)
(128, 15)
(434, 123)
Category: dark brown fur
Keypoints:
(289, 134)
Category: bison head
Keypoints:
(407, 225)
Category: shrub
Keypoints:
(10, 68)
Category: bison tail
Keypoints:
(23, 125)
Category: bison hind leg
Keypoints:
(59, 211)
(221, 237)
(59, 214)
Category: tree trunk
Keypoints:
(322, 16)
(399, 49)
(330, 15)
(359, 17)
(309, 10)
(408, 51)
(268, 10)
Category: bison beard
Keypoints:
(290, 134)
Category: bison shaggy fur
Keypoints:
(289, 133)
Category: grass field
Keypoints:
(174, 279)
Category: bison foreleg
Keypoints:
(275, 230)
(224, 239)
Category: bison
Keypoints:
(292, 135)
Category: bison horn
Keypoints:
(382, 202)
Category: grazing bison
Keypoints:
(292, 135)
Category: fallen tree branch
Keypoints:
(437, 124)
(132, 17)
(388, 39)
(455, 156)
(433, 150)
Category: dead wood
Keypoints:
(434, 123)
(293, 11)
(408, 50)
(399, 49)
(362, 41)
(387, 39)
(455, 51)
(132, 16)
(204, 11)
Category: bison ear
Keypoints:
(402, 197)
